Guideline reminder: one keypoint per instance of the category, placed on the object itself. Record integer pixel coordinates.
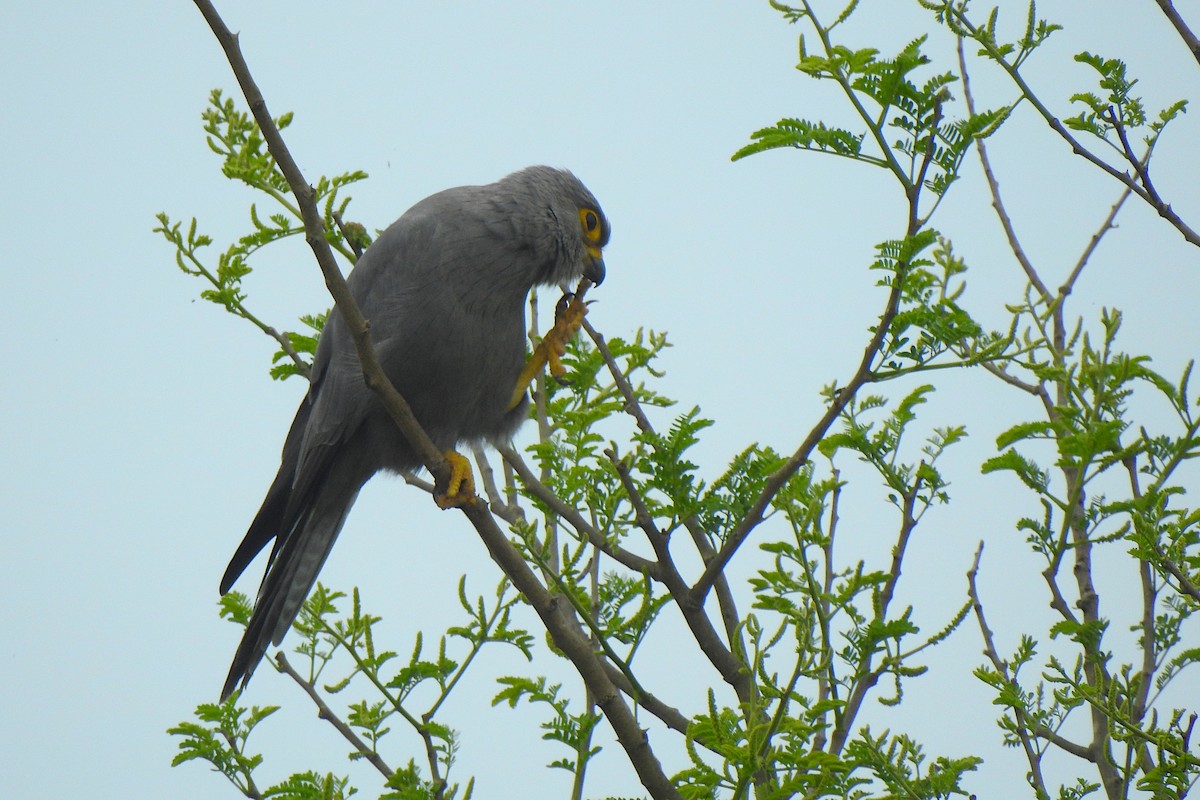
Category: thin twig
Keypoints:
(776, 480)
(670, 716)
(569, 513)
(1105, 227)
(1140, 166)
(862, 685)
(1012, 380)
(632, 407)
(326, 713)
(512, 514)
(1152, 198)
(1010, 232)
(1149, 606)
(1185, 583)
(726, 605)
(351, 240)
(237, 308)
(731, 669)
(989, 649)
(914, 191)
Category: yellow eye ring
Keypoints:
(590, 220)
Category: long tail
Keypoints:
(307, 518)
(289, 579)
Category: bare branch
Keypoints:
(1105, 227)
(632, 406)
(1145, 193)
(1010, 232)
(1185, 33)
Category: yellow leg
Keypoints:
(568, 319)
(460, 489)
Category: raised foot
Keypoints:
(568, 319)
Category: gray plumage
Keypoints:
(444, 289)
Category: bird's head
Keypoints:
(569, 228)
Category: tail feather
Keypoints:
(278, 514)
(267, 524)
(310, 525)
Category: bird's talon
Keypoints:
(460, 487)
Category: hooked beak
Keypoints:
(593, 266)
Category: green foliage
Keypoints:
(328, 638)
(626, 527)
(928, 151)
(234, 136)
(219, 737)
(572, 730)
(304, 344)
(1112, 117)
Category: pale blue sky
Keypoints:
(139, 430)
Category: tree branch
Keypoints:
(326, 713)
(775, 482)
(567, 638)
(1105, 227)
(731, 669)
(989, 649)
(865, 682)
(1010, 232)
(730, 618)
(314, 234)
(1185, 33)
(569, 513)
(1145, 193)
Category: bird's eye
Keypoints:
(591, 223)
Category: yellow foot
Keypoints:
(460, 489)
(568, 319)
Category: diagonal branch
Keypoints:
(1181, 27)
(1010, 233)
(1108, 224)
(571, 514)
(775, 482)
(549, 607)
(989, 649)
(326, 713)
(730, 667)
(314, 233)
(727, 606)
(1146, 193)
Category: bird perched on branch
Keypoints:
(444, 289)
